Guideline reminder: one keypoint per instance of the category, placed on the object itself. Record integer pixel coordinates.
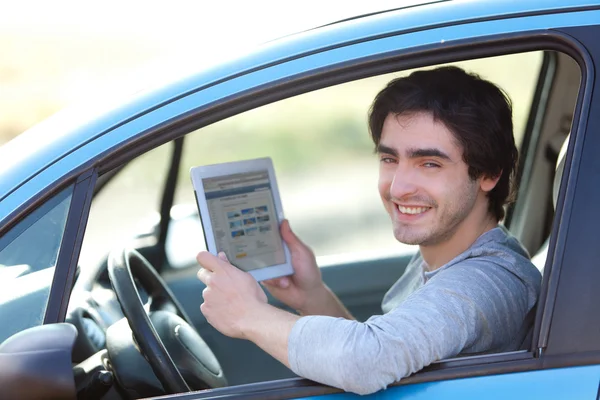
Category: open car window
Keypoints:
(324, 160)
(127, 206)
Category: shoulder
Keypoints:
(496, 252)
(498, 265)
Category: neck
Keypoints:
(463, 237)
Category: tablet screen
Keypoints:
(244, 219)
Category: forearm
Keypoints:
(342, 353)
(269, 328)
(338, 352)
(325, 302)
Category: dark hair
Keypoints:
(476, 111)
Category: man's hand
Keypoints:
(295, 291)
(236, 306)
(231, 296)
(304, 291)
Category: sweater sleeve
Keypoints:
(472, 305)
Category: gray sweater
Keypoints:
(475, 303)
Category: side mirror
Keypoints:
(36, 363)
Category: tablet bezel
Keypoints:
(199, 173)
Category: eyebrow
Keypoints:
(414, 152)
(383, 149)
(428, 152)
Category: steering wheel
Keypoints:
(166, 326)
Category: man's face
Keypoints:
(423, 180)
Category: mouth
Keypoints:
(412, 210)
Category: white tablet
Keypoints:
(240, 211)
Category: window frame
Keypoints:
(570, 269)
(70, 247)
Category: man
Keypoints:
(447, 155)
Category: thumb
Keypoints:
(290, 237)
(222, 256)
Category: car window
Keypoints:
(127, 206)
(28, 254)
(324, 160)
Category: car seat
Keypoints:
(539, 259)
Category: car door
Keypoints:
(561, 363)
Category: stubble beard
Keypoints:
(445, 226)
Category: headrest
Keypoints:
(560, 167)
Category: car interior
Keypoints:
(143, 213)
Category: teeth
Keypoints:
(412, 210)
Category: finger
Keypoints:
(226, 266)
(204, 276)
(269, 282)
(208, 261)
(289, 236)
(282, 283)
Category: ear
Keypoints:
(487, 183)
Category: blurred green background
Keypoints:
(62, 52)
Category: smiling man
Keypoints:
(447, 156)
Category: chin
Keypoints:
(410, 238)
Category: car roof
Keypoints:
(44, 144)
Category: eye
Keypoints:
(430, 164)
(387, 159)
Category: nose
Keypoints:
(404, 183)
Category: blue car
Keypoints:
(99, 228)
